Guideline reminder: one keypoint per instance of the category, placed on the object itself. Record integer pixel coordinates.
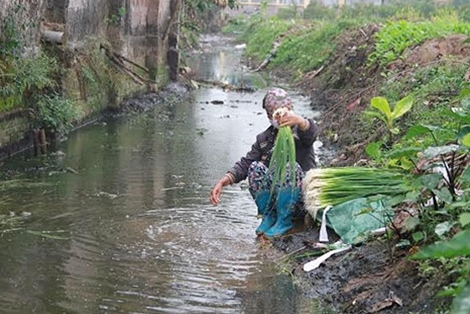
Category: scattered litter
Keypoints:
(172, 188)
(108, 195)
(323, 232)
(319, 260)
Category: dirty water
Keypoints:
(121, 222)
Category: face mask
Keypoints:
(274, 123)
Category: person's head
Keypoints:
(274, 99)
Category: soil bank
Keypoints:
(377, 276)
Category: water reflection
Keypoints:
(133, 230)
(219, 61)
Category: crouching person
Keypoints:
(276, 203)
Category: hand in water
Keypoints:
(215, 193)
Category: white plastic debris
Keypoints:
(323, 232)
(318, 261)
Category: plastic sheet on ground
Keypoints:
(355, 220)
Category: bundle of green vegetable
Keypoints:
(333, 186)
(283, 156)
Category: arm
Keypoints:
(308, 135)
(307, 129)
(238, 172)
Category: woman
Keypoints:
(276, 210)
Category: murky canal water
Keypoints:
(133, 230)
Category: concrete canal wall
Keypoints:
(106, 49)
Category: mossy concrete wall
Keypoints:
(136, 30)
(15, 125)
(30, 13)
(14, 133)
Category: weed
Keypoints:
(390, 115)
(116, 18)
(56, 113)
(396, 36)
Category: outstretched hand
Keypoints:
(217, 189)
(215, 193)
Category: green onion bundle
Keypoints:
(283, 157)
(334, 186)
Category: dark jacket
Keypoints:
(261, 150)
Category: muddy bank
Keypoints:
(376, 277)
(367, 279)
(172, 93)
(343, 88)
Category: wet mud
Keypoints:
(370, 278)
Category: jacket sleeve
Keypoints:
(240, 169)
(309, 136)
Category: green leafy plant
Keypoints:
(448, 159)
(396, 36)
(23, 78)
(443, 171)
(116, 19)
(260, 34)
(56, 113)
(14, 29)
(317, 41)
(23, 75)
(457, 247)
(387, 115)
